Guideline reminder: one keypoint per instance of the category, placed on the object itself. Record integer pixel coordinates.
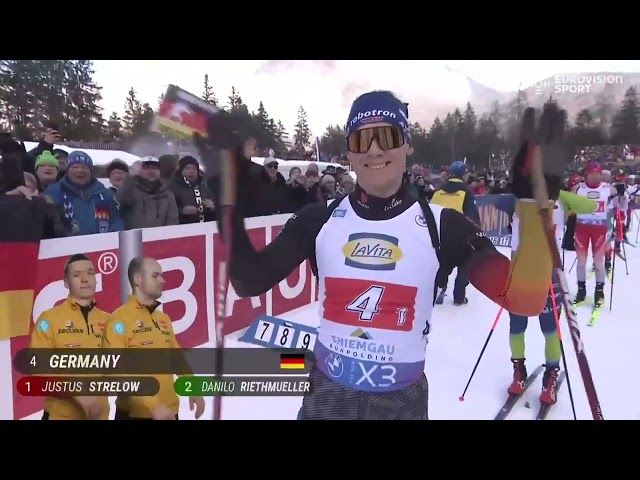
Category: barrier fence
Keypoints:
(187, 254)
(495, 221)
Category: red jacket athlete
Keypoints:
(592, 229)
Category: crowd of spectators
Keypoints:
(172, 190)
(155, 192)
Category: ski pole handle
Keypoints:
(227, 179)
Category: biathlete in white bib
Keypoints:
(591, 229)
(376, 254)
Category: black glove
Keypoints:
(550, 136)
(620, 188)
(225, 131)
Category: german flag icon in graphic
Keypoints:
(292, 361)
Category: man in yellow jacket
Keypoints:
(139, 324)
(75, 323)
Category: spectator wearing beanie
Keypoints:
(46, 170)
(116, 171)
(145, 201)
(327, 187)
(89, 206)
(193, 196)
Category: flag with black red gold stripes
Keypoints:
(21, 227)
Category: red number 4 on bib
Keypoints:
(363, 303)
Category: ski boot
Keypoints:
(598, 295)
(440, 297)
(582, 293)
(464, 301)
(519, 377)
(549, 394)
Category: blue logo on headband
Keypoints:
(378, 107)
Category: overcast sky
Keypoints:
(326, 87)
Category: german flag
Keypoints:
(21, 228)
(292, 361)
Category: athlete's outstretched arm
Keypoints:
(254, 272)
(519, 285)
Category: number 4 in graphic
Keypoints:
(367, 303)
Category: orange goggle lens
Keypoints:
(387, 137)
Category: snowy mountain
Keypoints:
(432, 88)
(598, 91)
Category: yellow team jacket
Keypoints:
(65, 326)
(134, 325)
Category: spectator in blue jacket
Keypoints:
(89, 207)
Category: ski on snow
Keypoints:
(595, 313)
(595, 309)
(512, 400)
(543, 413)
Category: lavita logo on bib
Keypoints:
(372, 251)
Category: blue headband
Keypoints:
(378, 107)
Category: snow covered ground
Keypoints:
(458, 334)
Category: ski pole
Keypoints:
(613, 277)
(563, 258)
(635, 212)
(228, 200)
(541, 195)
(493, 327)
(564, 357)
(573, 265)
(621, 241)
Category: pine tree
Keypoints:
(266, 128)
(625, 128)
(284, 142)
(50, 93)
(208, 95)
(114, 127)
(133, 122)
(302, 133)
(83, 115)
(332, 142)
(17, 96)
(146, 119)
(487, 141)
(235, 102)
(586, 130)
(439, 142)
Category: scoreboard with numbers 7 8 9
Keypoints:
(273, 332)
